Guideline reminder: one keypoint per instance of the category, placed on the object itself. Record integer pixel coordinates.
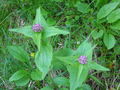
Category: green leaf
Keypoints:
(97, 34)
(78, 74)
(18, 53)
(39, 19)
(96, 79)
(64, 52)
(23, 81)
(43, 59)
(109, 41)
(85, 87)
(67, 59)
(61, 57)
(18, 75)
(52, 31)
(36, 75)
(114, 16)
(115, 0)
(46, 88)
(61, 81)
(95, 66)
(82, 7)
(51, 21)
(115, 26)
(100, 3)
(106, 10)
(27, 31)
(57, 64)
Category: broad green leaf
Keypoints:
(64, 52)
(95, 66)
(85, 87)
(116, 0)
(36, 75)
(57, 64)
(82, 7)
(18, 53)
(18, 75)
(23, 81)
(27, 31)
(100, 3)
(52, 31)
(61, 81)
(61, 57)
(106, 10)
(115, 26)
(103, 20)
(43, 59)
(78, 75)
(46, 88)
(85, 49)
(67, 59)
(97, 34)
(39, 19)
(109, 41)
(51, 21)
(114, 16)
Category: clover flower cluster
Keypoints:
(82, 60)
(37, 28)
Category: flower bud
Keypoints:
(37, 28)
(82, 59)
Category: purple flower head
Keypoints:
(82, 59)
(37, 28)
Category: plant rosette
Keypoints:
(79, 63)
(40, 32)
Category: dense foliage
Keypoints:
(60, 44)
